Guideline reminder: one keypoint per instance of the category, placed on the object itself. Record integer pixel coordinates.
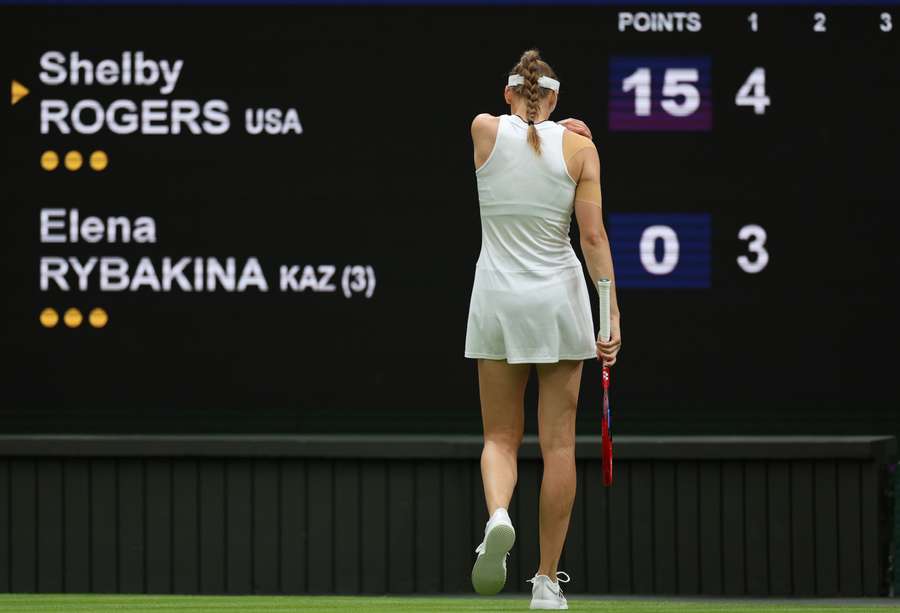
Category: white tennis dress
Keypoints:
(529, 299)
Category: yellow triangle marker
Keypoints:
(19, 91)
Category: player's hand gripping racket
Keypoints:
(603, 288)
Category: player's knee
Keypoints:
(506, 439)
(557, 447)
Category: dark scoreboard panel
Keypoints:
(265, 218)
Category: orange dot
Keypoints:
(72, 317)
(73, 160)
(49, 317)
(98, 317)
(49, 160)
(99, 160)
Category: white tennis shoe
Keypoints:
(489, 572)
(545, 594)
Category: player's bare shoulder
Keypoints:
(484, 124)
(484, 135)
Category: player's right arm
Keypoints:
(484, 135)
(594, 240)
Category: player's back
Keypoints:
(526, 200)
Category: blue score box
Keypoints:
(661, 250)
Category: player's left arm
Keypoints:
(594, 240)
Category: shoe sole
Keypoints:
(548, 604)
(488, 574)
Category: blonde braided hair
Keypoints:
(532, 68)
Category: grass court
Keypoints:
(41, 603)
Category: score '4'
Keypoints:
(753, 92)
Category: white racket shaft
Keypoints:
(603, 289)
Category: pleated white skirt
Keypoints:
(530, 317)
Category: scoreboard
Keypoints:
(264, 218)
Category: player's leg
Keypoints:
(559, 384)
(502, 389)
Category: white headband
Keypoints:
(517, 79)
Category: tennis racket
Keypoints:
(603, 288)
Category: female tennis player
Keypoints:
(530, 305)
